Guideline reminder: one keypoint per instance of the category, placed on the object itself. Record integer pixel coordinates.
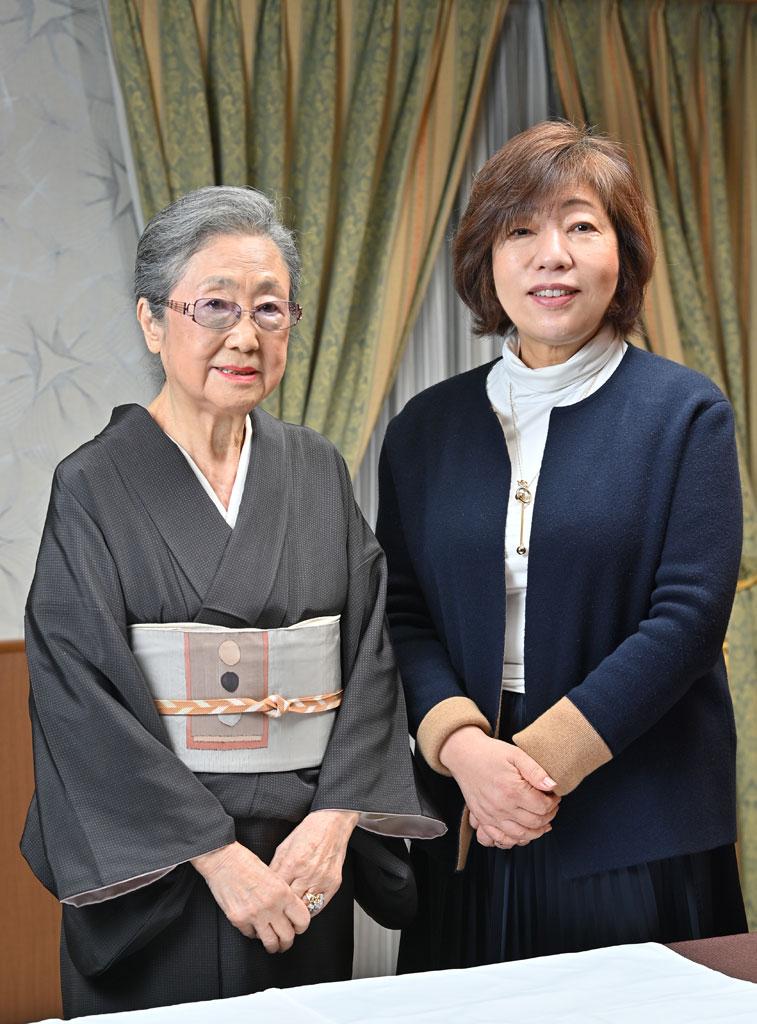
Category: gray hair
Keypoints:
(172, 237)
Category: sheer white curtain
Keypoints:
(441, 343)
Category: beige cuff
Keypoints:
(439, 724)
(566, 746)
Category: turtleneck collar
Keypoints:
(584, 364)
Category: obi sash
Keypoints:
(243, 700)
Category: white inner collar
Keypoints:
(235, 499)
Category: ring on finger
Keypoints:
(314, 902)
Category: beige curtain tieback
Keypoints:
(746, 584)
(741, 586)
(274, 705)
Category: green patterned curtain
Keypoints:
(677, 83)
(355, 115)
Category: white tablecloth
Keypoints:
(639, 984)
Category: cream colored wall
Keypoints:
(69, 348)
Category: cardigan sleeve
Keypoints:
(436, 702)
(681, 637)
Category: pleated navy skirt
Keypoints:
(515, 904)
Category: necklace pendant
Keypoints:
(523, 494)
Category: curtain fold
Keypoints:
(139, 101)
(227, 108)
(676, 82)
(357, 117)
(459, 73)
(441, 342)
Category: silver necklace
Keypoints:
(523, 494)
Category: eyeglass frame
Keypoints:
(188, 309)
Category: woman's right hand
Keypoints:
(254, 898)
(508, 794)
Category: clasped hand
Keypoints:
(509, 796)
(266, 901)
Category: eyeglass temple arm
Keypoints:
(187, 308)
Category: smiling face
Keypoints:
(230, 371)
(555, 273)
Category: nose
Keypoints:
(552, 252)
(245, 335)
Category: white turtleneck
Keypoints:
(534, 394)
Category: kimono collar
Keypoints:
(232, 571)
(235, 499)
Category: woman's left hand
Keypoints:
(311, 857)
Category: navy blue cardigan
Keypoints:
(633, 562)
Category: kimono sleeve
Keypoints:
(368, 766)
(112, 802)
(680, 639)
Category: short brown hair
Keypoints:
(532, 168)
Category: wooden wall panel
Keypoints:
(29, 915)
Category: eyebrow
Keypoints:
(578, 201)
(217, 282)
(268, 284)
(265, 284)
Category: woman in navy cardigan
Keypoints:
(563, 533)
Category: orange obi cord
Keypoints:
(274, 705)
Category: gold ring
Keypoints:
(314, 902)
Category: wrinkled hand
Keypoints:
(508, 794)
(311, 857)
(254, 898)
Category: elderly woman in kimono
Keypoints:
(214, 702)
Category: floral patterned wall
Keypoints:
(69, 344)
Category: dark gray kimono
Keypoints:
(131, 537)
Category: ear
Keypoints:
(152, 329)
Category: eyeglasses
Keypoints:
(220, 314)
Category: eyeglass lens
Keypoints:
(220, 313)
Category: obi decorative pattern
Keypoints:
(247, 700)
